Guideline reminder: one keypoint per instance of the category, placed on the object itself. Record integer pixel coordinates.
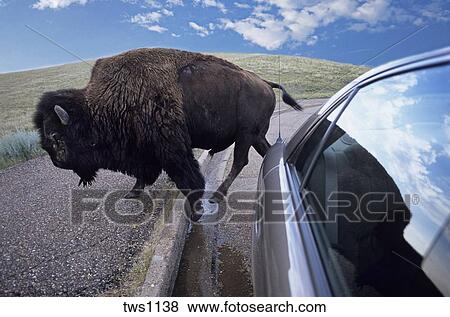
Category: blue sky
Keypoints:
(350, 31)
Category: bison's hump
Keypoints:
(140, 76)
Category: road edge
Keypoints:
(170, 238)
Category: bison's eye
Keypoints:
(53, 136)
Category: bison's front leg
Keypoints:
(137, 189)
(185, 172)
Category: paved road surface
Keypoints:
(217, 257)
(43, 253)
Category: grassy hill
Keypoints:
(20, 91)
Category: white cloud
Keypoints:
(175, 2)
(435, 11)
(201, 31)
(155, 28)
(285, 4)
(146, 18)
(175, 35)
(372, 11)
(56, 4)
(152, 4)
(155, 4)
(167, 12)
(358, 27)
(267, 32)
(447, 127)
(211, 3)
(149, 20)
(312, 40)
(241, 5)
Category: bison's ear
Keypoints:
(62, 115)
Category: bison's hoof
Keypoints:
(196, 211)
(217, 197)
(195, 217)
(133, 194)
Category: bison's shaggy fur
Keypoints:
(144, 111)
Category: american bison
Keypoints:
(144, 110)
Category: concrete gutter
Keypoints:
(169, 239)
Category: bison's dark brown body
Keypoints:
(144, 111)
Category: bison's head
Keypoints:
(66, 133)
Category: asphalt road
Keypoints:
(44, 252)
(216, 260)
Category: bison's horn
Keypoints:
(62, 115)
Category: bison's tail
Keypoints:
(286, 97)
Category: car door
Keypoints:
(374, 184)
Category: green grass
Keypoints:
(303, 77)
(19, 147)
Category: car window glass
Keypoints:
(380, 187)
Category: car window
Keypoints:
(378, 194)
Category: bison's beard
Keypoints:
(87, 177)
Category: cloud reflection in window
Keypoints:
(404, 122)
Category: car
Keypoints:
(357, 201)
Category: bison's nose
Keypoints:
(56, 163)
(59, 164)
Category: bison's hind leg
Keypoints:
(240, 160)
(261, 146)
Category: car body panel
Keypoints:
(275, 277)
